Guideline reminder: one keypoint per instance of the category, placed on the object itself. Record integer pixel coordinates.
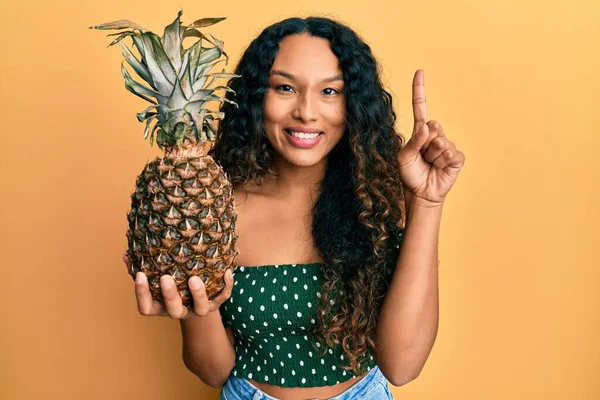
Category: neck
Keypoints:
(297, 182)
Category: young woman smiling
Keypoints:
(336, 290)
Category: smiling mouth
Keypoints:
(309, 135)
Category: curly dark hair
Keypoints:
(359, 215)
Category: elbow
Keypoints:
(215, 384)
(403, 379)
(406, 368)
(215, 381)
(210, 379)
(401, 373)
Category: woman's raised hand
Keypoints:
(174, 307)
(429, 163)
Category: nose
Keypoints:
(306, 108)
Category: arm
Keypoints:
(429, 165)
(408, 322)
(208, 350)
(208, 347)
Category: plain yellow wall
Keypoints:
(516, 85)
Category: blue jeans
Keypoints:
(372, 386)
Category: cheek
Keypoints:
(274, 111)
(337, 116)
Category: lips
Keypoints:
(289, 131)
(302, 143)
(303, 130)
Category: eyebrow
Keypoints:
(293, 78)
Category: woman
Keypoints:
(336, 291)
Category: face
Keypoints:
(304, 106)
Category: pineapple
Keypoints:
(182, 217)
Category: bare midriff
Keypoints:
(309, 393)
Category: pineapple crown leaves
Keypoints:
(179, 80)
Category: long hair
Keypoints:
(359, 214)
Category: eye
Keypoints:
(333, 91)
(283, 88)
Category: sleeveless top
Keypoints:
(271, 310)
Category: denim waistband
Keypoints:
(241, 389)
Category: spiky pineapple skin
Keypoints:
(182, 223)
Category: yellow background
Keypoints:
(515, 84)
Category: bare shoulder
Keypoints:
(252, 205)
(244, 196)
(271, 229)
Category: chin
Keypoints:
(296, 156)
(304, 162)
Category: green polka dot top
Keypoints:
(271, 310)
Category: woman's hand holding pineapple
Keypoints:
(173, 305)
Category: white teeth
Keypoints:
(302, 135)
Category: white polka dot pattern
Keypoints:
(274, 310)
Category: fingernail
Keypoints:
(139, 277)
(195, 282)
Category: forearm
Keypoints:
(408, 321)
(207, 351)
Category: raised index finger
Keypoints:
(418, 100)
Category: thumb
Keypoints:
(417, 140)
(127, 261)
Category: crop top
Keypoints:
(271, 310)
